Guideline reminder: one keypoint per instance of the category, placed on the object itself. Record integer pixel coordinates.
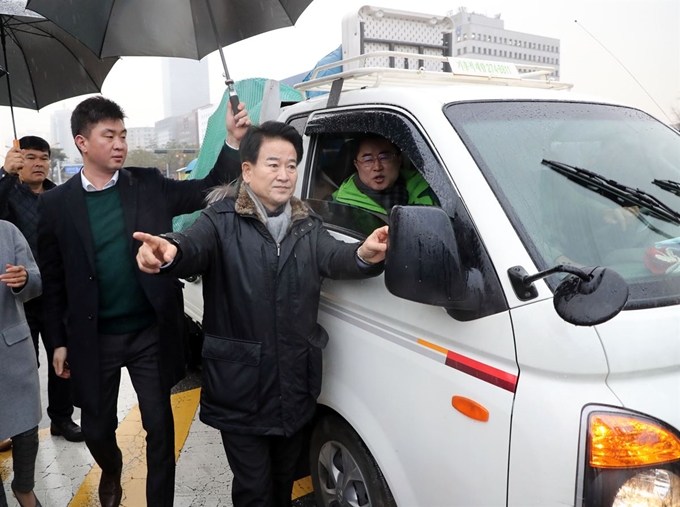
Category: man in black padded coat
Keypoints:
(262, 253)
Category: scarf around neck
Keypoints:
(277, 222)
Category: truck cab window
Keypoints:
(331, 156)
(357, 177)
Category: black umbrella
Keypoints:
(175, 28)
(43, 63)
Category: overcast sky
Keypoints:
(643, 34)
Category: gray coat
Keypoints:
(19, 384)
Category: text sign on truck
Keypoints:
(468, 67)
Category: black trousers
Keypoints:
(139, 353)
(24, 453)
(263, 467)
(59, 404)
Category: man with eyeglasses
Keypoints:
(380, 181)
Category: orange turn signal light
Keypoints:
(470, 408)
(625, 441)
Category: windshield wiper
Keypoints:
(621, 194)
(670, 185)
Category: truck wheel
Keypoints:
(344, 474)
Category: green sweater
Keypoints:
(419, 192)
(123, 306)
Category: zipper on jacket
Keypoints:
(265, 232)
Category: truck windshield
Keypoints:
(586, 184)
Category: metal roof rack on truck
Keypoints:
(455, 71)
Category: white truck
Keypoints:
(458, 378)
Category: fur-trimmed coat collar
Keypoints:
(244, 205)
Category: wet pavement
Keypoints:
(66, 475)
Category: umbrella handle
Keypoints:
(234, 101)
(233, 96)
(16, 144)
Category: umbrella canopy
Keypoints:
(44, 63)
(176, 28)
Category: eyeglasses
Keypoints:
(369, 160)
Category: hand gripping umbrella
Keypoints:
(42, 63)
(175, 28)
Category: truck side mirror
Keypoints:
(593, 301)
(586, 297)
(423, 262)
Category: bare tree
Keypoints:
(57, 155)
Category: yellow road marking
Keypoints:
(184, 409)
(132, 441)
(302, 487)
(5, 464)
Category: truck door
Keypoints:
(393, 368)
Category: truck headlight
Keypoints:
(651, 488)
(627, 459)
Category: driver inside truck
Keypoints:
(382, 180)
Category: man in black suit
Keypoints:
(101, 313)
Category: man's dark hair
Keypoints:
(35, 143)
(91, 111)
(252, 141)
(370, 136)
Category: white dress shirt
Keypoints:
(89, 187)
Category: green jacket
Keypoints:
(419, 192)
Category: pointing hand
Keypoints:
(154, 252)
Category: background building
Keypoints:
(484, 38)
(203, 115)
(185, 85)
(181, 129)
(141, 138)
(187, 129)
(166, 131)
(60, 134)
